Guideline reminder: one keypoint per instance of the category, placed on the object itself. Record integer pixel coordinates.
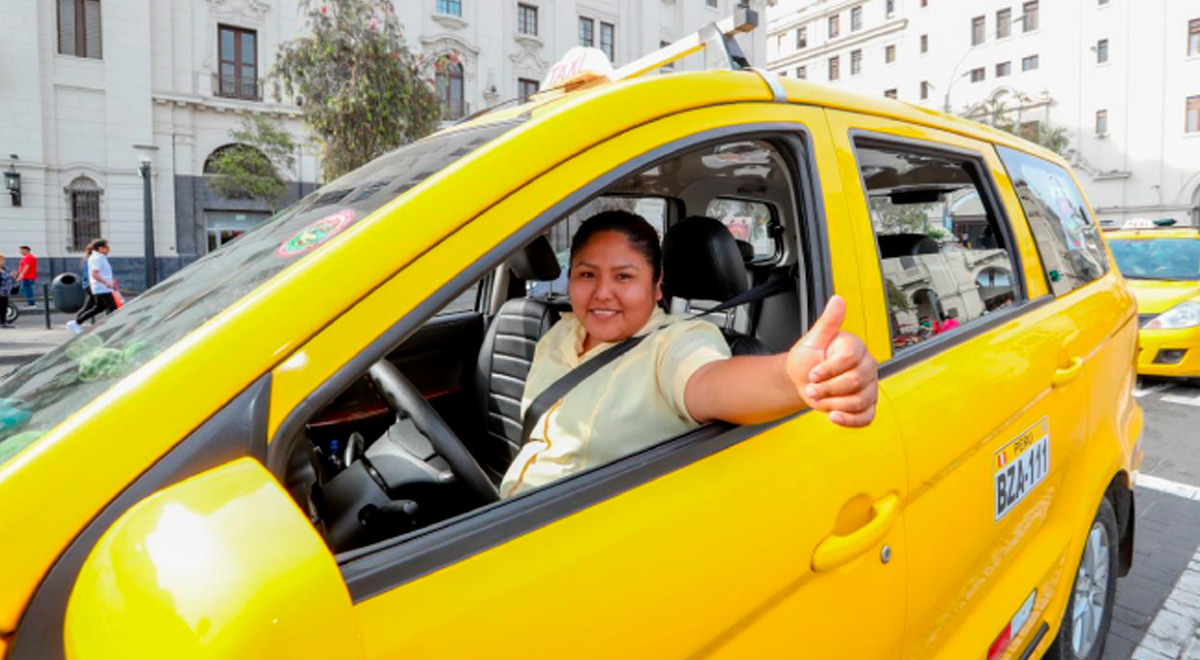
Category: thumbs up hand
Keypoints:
(832, 370)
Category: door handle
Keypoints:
(835, 550)
(1064, 375)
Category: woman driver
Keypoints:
(680, 376)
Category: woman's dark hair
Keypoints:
(640, 234)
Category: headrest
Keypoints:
(701, 261)
(906, 245)
(747, 250)
(536, 262)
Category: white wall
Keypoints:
(1146, 166)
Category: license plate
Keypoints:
(1020, 466)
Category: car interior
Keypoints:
(427, 433)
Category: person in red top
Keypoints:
(27, 274)
(951, 321)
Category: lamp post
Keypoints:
(954, 75)
(145, 159)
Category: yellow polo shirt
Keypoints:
(632, 403)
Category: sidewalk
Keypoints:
(29, 339)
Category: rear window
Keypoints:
(38, 396)
(1066, 234)
(748, 221)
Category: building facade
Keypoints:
(501, 50)
(84, 81)
(1121, 77)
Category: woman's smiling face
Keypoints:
(612, 288)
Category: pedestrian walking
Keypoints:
(85, 278)
(6, 285)
(102, 284)
(27, 274)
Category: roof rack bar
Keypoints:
(721, 51)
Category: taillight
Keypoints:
(1012, 629)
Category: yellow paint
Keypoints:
(222, 565)
(1156, 297)
(611, 580)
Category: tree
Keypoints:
(995, 113)
(364, 92)
(250, 168)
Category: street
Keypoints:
(1157, 613)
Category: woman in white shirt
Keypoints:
(102, 284)
(682, 375)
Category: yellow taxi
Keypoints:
(291, 448)
(1162, 264)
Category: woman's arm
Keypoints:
(827, 370)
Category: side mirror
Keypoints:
(223, 565)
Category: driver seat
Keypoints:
(505, 358)
(703, 261)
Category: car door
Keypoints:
(775, 540)
(993, 410)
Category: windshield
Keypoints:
(1157, 258)
(41, 394)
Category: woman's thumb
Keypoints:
(826, 329)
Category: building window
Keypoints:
(978, 27)
(924, 43)
(1003, 23)
(924, 4)
(527, 19)
(834, 26)
(587, 32)
(1194, 36)
(1102, 122)
(1003, 69)
(238, 75)
(855, 62)
(801, 38)
(450, 90)
(889, 53)
(84, 196)
(802, 72)
(891, 8)
(924, 90)
(977, 75)
(450, 7)
(1029, 21)
(526, 88)
(856, 19)
(1102, 2)
(711, 3)
(79, 28)
(1029, 63)
(607, 37)
(1193, 114)
(889, 93)
(1102, 51)
(835, 68)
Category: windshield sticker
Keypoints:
(316, 234)
(1019, 466)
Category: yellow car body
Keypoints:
(150, 521)
(1164, 352)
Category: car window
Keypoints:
(37, 397)
(1157, 258)
(748, 221)
(1066, 234)
(945, 259)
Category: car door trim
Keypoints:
(382, 567)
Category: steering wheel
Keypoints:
(400, 395)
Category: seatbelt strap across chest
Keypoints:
(559, 388)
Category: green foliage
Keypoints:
(251, 168)
(897, 301)
(996, 114)
(907, 218)
(364, 92)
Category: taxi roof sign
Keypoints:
(582, 65)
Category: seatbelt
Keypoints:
(559, 388)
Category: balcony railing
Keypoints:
(232, 87)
